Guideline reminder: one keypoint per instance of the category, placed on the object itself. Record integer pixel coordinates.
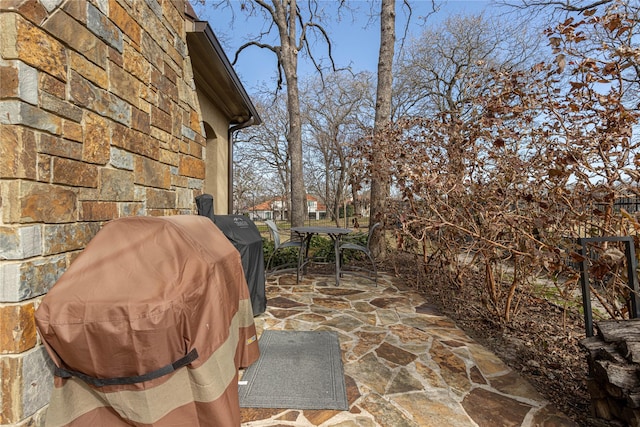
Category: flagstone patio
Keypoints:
(405, 364)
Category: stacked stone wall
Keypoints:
(99, 119)
(613, 356)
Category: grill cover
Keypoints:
(246, 238)
(144, 293)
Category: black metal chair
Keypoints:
(371, 274)
(278, 245)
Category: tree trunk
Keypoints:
(379, 185)
(288, 17)
(356, 201)
(298, 196)
(285, 18)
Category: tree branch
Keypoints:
(275, 50)
(566, 5)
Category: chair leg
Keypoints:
(375, 270)
(298, 265)
(360, 271)
(269, 263)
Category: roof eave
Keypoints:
(215, 76)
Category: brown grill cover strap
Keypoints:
(102, 382)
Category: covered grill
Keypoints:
(149, 326)
(246, 238)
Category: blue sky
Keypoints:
(355, 37)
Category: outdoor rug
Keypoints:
(296, 370)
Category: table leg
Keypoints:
(299, 266)
(336, 246)
(307, 244)
(303, 255)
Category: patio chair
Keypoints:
(371, 274)
(278, 245)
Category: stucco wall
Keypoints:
(99, 120)
(216, 155)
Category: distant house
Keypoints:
(276, 209)
(316, 209)
(261, 211)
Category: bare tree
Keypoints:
(334, 112)
(296, 28)
(263, 151)
(249, 187)
(435, 73)
(559, 5)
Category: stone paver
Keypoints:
(405, 364)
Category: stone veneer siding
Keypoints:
(99, 119)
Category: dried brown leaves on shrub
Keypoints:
(503, 185)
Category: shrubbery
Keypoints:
(504, 184)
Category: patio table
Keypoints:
(306, 233)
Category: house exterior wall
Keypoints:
(312, 209)
(216, 156)
(98, 120)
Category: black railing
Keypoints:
(632, 276)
